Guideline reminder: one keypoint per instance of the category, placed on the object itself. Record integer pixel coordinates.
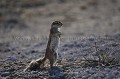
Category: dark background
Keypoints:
(22, 18)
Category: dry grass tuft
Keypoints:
(104, 59)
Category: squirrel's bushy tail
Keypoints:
(35, 64)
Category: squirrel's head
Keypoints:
(56, 24)
(55, 27)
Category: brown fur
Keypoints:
(50, 54)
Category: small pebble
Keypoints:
(4, 74)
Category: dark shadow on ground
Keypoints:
(56, 73)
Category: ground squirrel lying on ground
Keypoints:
(51, 50)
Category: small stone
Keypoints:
(110, 76)
(102, 75)
(90, 78)
(4, 74)
(116, 72)
(83, 74)
(11, 58)
(107, 70)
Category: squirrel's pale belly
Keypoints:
(55, 40)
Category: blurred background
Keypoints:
(33, 18)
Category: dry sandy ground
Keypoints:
(15, 56)
(24, 28)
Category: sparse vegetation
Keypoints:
(104, 59)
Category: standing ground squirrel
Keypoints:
(51, 50)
